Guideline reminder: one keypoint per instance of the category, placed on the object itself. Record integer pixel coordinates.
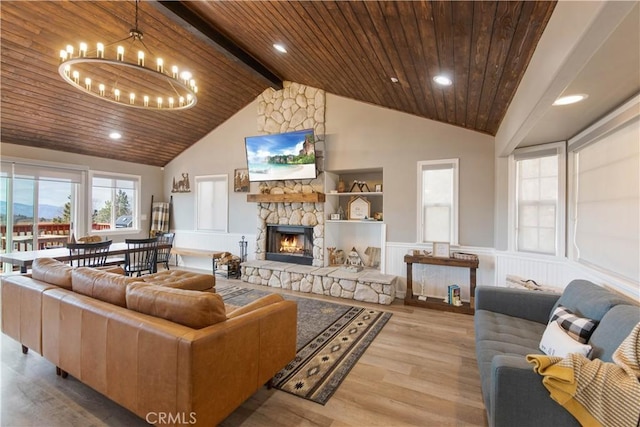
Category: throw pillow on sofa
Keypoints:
(580, 328)
(101, 285)
(194, 309)
(556, 342)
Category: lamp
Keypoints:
(130, 84)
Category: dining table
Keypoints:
(24, 259)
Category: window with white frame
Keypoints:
(605, 195)
(438, 201)
(115, 202)
(539, 199)
(212, 201)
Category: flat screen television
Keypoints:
(281, 156)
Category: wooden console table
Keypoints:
(436, 303)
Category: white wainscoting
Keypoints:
(212, 241)
(434, 279)
(493, 269)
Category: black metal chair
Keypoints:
(88, 254)
(140, 256)
(165, 253)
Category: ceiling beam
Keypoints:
(193, 23)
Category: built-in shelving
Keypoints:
(356, 233)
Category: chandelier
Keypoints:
(131, 84)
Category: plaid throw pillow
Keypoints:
(580, 328)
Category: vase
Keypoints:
(341, 186)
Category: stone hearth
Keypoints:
(366, 285)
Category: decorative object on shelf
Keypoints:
(341, 186)
(360, 185)
(241, 181)
(373, 257)
(340, 213)
(335, 217)
(182, 185)
(115, 80)
(358, 208)
(378, 188)
(353, 263)
(339, 257)
(441, 249)
(264, 188)
(462, 255)
(377, 216)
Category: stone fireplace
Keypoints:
(289, 243)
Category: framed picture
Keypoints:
(378, 188)
(359, 208)
(241, 181)
(441, 249)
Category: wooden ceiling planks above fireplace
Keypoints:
(287, 198)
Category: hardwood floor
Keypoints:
(419, 371)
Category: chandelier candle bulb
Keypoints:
(70, 51)
(83, 50)
(141, 58)
(146, 101)
(101, 89)
(174, 72)
(159, 102)
(116, 94)
(170, 102)
(132, 98)
(100, 50)
(63, 55)
(160, 65)
(120, 53)
(76, 77)
(181, 101)
(67, 70)
(87, 83)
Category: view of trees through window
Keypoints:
(113, 203)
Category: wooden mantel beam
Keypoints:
(287, 198)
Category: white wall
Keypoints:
(358, 136)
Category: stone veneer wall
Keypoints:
(295, 107)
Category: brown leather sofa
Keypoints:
(164, 353)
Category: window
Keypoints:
(539, 199)
(115, 202)
(38, 203)
(605, 197)
(438, 201)
(211, 202)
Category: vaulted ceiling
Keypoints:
(352, 49)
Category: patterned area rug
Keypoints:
(331, 338)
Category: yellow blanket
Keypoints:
(596, 393)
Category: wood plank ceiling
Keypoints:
(351, 49)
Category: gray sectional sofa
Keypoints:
(509, 324)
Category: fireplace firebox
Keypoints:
(290, 243)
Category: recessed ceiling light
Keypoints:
(443, 80)
(394, 80)
(570, 99)
(115, 135)
(279, 47)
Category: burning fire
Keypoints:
(289, 244)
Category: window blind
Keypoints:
(607, 202)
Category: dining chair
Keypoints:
(88, 254)
(140, 256)
(165, 253)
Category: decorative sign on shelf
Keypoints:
(359, 208)
(182, 185)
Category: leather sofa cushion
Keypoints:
(180, 279)
(52, 271)
(101, 285)
(194, 309)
